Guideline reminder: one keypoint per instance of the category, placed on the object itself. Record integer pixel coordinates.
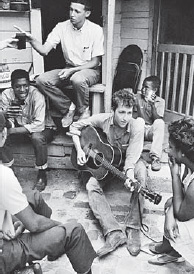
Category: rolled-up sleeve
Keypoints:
(98, 45)
(135, 146)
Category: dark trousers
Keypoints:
(69, 238)
(39, 141)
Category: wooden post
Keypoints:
(109, 55)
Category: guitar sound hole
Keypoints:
(98, 159)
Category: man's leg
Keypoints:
(81, 81)
(102, 211)
(39, 142)
(134, 216)
(156, 134)
(51, 86)
(70, 239)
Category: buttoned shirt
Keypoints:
(33, 110)
(78, 46)
(145, 108)
(129, 142)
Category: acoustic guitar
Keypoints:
(103, 160)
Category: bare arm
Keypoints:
(34, 222)
(42, 49)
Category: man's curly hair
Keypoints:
(124, 97)
(181, 132)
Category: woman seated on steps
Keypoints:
(178, 240)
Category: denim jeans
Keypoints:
(70, 239)
(53, 87)
(101, 208)
(155, 133)
(39, 141)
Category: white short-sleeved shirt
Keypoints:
(12, 200)
(78, 46)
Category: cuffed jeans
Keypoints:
(50, 85)
(39, 141)
(70, 239)
(101, 209)
(155, 133)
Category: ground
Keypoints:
(68, 199)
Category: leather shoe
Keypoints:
(133, 241)
(165, 259)
(41, 181)
(113, 240)
(68, 119)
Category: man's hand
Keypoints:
(174, 167)
(19, 228)
(170, 226)
(29, 36)
(10, 43)
(65, 73)
(13, 111)
(130, 179)
(81, 157)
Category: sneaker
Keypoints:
(68, 119)
(165, 259)
(155, 165)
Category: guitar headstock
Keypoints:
(151, 196)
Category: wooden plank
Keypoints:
(150, 37)
(127, 32)
(109, 50)
(182, 87)
(135, 14)
(175, 81)
(53, 162)
(176, 48)
(190, 86)
(167, 88)
(162, 73)
(16, 56)
(135, 5)
(8, 20)
(35, 20)
(143, 44)
(136, 23)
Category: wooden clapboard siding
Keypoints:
(175, 67)
(8, 19)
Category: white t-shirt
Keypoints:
(12, 200)
(78, 46)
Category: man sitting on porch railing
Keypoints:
(82, 45)
(151, 108)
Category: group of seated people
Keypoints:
(133, 119)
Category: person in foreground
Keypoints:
(178, 240)
(127, 134)
(46, 237)
(151, 108)
(82, 45)
(25, 110)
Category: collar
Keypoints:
(82, 28)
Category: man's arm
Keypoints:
(34, 222)
(42, 49)
(67, 72)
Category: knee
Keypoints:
(92, 185)
(139, 123)
(159, 123)
(38, 137)
(41, 80)
(77, 79)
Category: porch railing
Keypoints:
(175, 67)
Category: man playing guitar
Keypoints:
(127, 134)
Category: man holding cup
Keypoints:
(151, 108)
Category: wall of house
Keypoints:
(133, 25)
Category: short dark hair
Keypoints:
(18, 74)
(155, 81)
(86, 3)
(123, 96)
(181, 133)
